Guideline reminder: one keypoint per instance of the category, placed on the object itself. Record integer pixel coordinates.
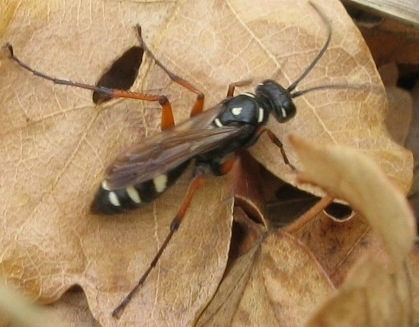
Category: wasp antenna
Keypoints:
(330, 86)
(319, 55)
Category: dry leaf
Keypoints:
(392, 41)
(277, 283)
(399, 116)
(249, 295)
(18, 311)
(56, 144)
(359, 181)
(368, 298)
(372, 293)
(415, 282)
(412, 141)
(284, 287)
(389, 74)
(337, 245)
(71, 311)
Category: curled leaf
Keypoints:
(370, 295)
(349, 175)
(55, 144)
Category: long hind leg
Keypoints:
(200, 98)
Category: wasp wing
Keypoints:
(169, 149)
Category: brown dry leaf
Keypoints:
(358, 180)
(400, 104)
(389, 74)
(369, 297)
(71, 310)
(415, 281)
(372, 294)
(354, 117)
(17, 310)
(392, 41)
(277, 283)
(55, 144)
(337, 245)
(399, 115)
(248, 297)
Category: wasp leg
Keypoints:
(196, 183)
(50, 78)
(167, 114)
(275, 140)
(200, 98)
(167, 119)
(232, 87)
(220, 169)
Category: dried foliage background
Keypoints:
(55, 145)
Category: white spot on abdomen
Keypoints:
(133, 194)
(218, 122)
(160, 182)
(113, 199)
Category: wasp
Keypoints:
(209, 138)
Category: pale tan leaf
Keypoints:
(368, 298)
(277, 283)
(399, 116)
(72, 310)
(352, 176)
(55, 144)
(372, 294)
(17, 310)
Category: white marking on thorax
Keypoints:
(261, 114)
(236, 111)
(284, 113)
(133, 194)
(160, 182)
(250, 95)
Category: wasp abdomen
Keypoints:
(113, 201)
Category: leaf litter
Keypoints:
(50, 241)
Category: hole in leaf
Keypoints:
(339, 211)
(245, 234)
(289, 204)
(121, 74)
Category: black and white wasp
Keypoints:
(209, 138)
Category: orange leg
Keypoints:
(275, 140)
(199, 103)
(232, 86)
(167, 114)
(196, 183)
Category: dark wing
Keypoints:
(169, 149)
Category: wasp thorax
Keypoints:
(277, 99)
(243, 109)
